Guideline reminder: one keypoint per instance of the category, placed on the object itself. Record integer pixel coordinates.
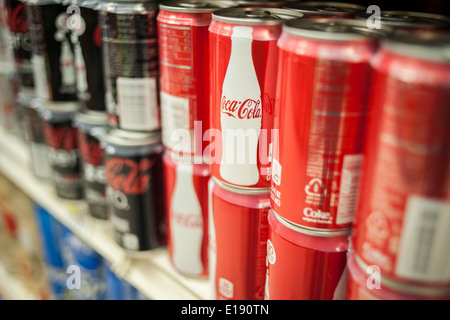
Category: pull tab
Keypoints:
(193, 4)
(257, 14)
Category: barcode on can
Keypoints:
(138, 104)
(424, 253)
(348, 191)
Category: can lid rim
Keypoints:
(312, 231)
(203, 6)
(437, 18)
(127, 138)
(403, 287)
(241, 190)
(344, 29)
(308, 7)
(93, 117)
(262, 16)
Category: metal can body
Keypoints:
(321, 117)
(86, 40)
(244, 57)
(364, 284)
(61, 138)
(134, 180)
(186, 191)
(239, 236)
(403, 210)
(21, 42)
(130, 57)
(53, 56)
(302, 266)
(325, 9)
(184, 72)
(91, 127)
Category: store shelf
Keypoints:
(11, 287)
(151, 273)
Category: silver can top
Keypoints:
(91, 117)
(334, 29)
(255, 16)
(409, 20)
(426, 45)
(327, 8)
(311, 231)
(241, 190)
(126, 138)
(195, 6)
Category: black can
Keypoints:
(86, 41)
(53, 55)
(134, 179)
(130, 56)
(21, 42)
(91, 129)
(33, 128)
(61, 138)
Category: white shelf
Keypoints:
(153, 274)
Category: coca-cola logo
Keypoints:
(187, 220)
(247, 109)
(18, 19)
(319, 214)
(61, 137)
(129, 176)
(92, 152)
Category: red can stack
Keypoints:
(320, 114)
(184, 79)
(402, 219)
(244, 59)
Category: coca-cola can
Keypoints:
(238, 233)
(323, 80)
(88, 59)
(53, 56)
(184, 72)
(130, 56)
(303, 264)
(135, 190)
(91, 129)
(32, 124)
(61, 138)
(325, 9)
(186, 192)
(21, 43)
(403, 212)
(364, 282)
(244, 55)
(407, 21)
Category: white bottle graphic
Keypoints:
(186, 223)
(212, 250)
(80, 66)
(66, 65)
(240, 109)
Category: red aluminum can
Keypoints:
(324, 74)
(244, 57)
(407, 21)
(184, 72)
(326, 9)
(186, 192)
(304, 264)
(363, 284)
(403, 213)
(238, 233)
